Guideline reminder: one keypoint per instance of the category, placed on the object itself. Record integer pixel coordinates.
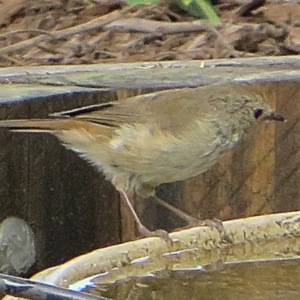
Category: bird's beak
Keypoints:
(274, 116)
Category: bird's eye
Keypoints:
(258, 112)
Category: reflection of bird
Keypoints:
(144, 141)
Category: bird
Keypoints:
(144, 141)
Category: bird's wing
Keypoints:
(169, 110)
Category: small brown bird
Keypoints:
(147, 140)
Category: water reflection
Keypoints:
(264, 280)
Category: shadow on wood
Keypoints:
(67, 203)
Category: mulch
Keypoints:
(55, 32)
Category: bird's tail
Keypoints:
(38, 125)
(76, 133)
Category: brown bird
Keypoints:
(147, 140)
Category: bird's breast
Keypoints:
(137, 155)
(157, 156)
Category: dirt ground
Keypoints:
(49, 32)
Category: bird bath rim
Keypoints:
(255, 238)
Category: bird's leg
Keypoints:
(143, 230)
(192, 222)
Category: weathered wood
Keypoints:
(65, 200)
(152, 75)
(69, 205)
(286, 196)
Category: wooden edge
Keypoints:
(52, 70)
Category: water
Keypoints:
(251, 280)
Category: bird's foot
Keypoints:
(145, 232)
(213, 223)
(193, 222)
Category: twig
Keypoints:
(20, 287)
(7, 34)
(145, 38)
(247, 8)
(148, 26)
(13, 60)
(108, 54)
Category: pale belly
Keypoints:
(137, 158)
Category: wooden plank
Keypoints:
(70, 207)
(152, 75)
(287, 142)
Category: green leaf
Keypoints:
(198, 8)
(201, 9)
